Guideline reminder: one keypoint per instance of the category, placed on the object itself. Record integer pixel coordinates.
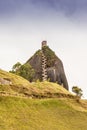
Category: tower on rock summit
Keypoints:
(44, 43)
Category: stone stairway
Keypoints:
(44, 70)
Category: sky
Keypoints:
(24, 24)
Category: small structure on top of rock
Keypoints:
(44, 43)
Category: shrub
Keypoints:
(77, 91)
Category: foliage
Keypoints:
(50, 55)
(16, 66)
(38, 52)
(27, 72)
(77, 91)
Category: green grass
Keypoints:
(53, 107)
(22, 87)
(45, 114)
(15, 79)
(49, 89)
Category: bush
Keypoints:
(27, 72)
(77, 91)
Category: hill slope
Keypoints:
(15, 86)
(45, 114)
(57, 111)
(21, 87)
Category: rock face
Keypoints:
(48, 66)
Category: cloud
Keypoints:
(71, 9)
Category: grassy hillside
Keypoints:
(17, 84)
(42, 114)
(22, 87)
(15, 79)
(53, 107)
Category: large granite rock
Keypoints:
(54, 66)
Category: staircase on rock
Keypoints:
(44, 70)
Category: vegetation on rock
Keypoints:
(50, 56)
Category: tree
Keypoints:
(78, 91)
(26, 71)
(16, 67)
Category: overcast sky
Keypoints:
(24, 24)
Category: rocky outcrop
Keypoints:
(36, 62)
(5, 81)
(48, 66)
